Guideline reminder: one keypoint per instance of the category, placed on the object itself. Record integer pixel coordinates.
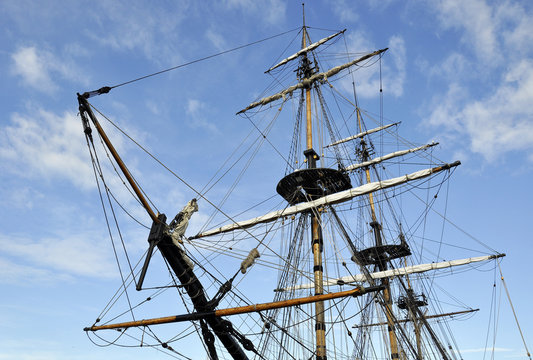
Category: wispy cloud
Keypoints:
(488, 93)
(393, 67)
(197, 112)
(12, 272)
(498, 123)
(23, 197)
(270, 11)
(344, 10)
(37, 67)
(47, 145)
(488, 350)
(33, 68)
(475, 18)
(149, 28)
(216, 39)
(53, 259)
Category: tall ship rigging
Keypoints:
(338, 260)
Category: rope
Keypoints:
(98, 171)
(512, 308)
(106, 89)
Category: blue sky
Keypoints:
(457, 72)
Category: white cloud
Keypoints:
(46, 145)
(489, 350)
(37, 67)
(475, 17)
(23, 197)
(59, 258)
(455, 68)
(150, 28)
(489, 93)
(495, 124)
(393, 68)
(396, 77)
(216, 39)
(197, 112)
(270, 11)
(344, 11)
(490, 30)
(16, 273)
(33, 68)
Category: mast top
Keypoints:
(303, 14)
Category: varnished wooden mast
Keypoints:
(393, 341)
(316, 229)
(85, 109)
(414, 319)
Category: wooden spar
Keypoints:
(331, 199)
(427, 317)
(237, 310)
(322, 77)
(86, 108)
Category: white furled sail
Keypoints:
(361, 134)
(323, 76)
(335, 198)
(388, 156)
(311, 47)
(415, 269)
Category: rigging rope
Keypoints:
(98, 171)
(512, 308)
(106, 89)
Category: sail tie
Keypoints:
(250, 259)
(177, 227)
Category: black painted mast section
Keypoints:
(413, 305)
(175, 258)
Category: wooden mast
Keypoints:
(306, 72)
(85, 108)
(376, 227)
(415, 321)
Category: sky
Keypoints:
(458, 72)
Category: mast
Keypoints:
(382, 265)
(173, 255)
(306, 71)
(413, 317)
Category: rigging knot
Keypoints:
(224, 289)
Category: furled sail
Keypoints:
(323, 76)
(361, 134)
(389, 156)
(415, 269)
(311, 47)
(335, 198)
